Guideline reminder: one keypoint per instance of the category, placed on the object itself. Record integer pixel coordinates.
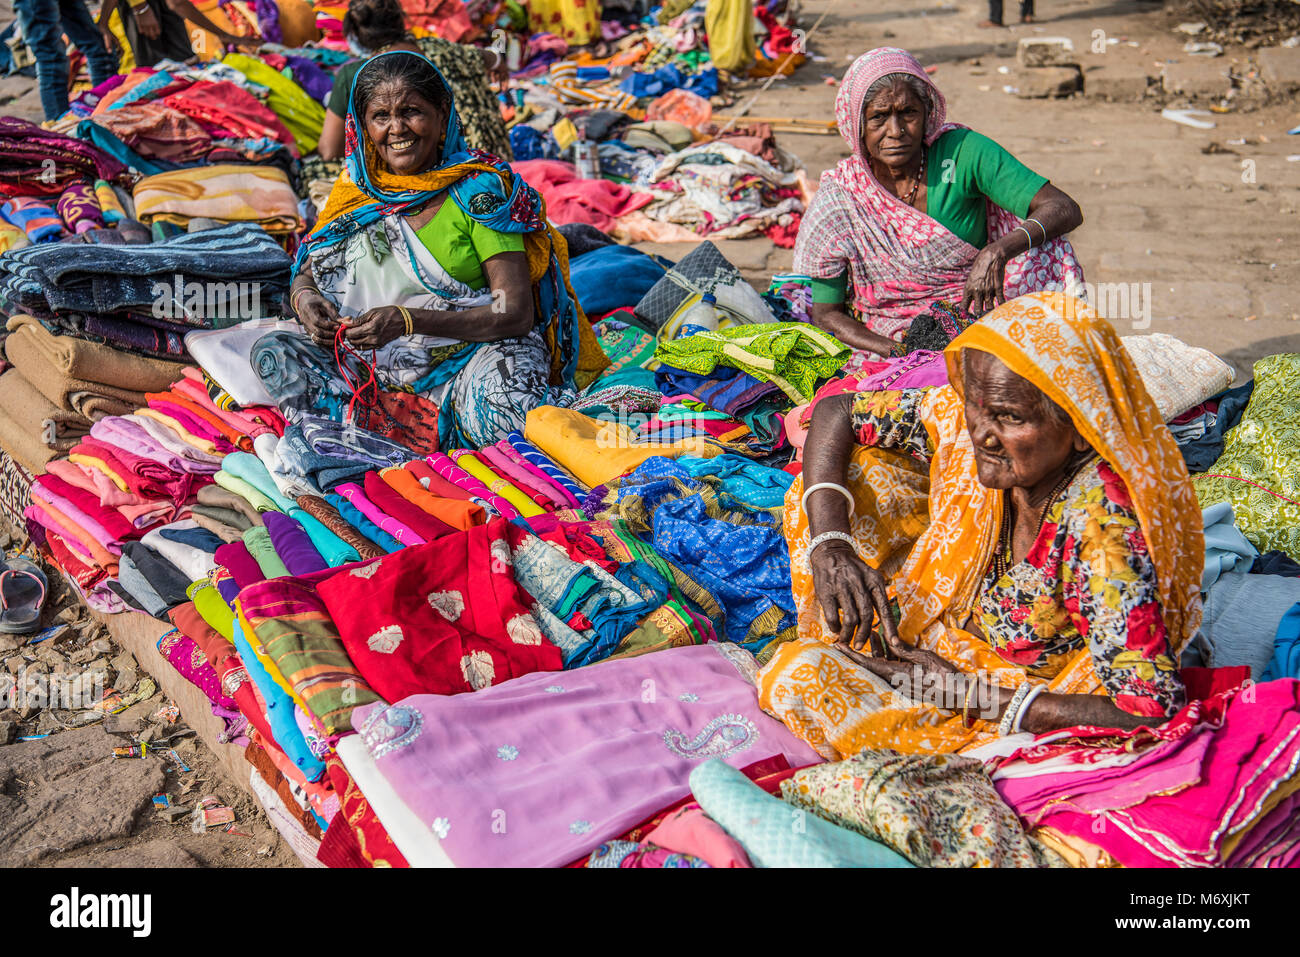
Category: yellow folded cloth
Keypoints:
(500, 486)
(595, 451)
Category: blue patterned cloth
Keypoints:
(745, 567)
(776, 834)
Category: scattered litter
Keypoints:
(830, 80)
(1293, 158)
(31, 737)
(1186, 118)
(1294, 131)
(54, 631)
(264, 850)
(1190, 28)
(161, 802)
(1203, 49)
(176, 759)
(1291, 42)
(1004, 70)
(131, 751)
(1011, 89)
(168, 713)
(210, 812)
(1251, 318)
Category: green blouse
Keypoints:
(461, 244)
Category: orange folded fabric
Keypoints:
(456, 513)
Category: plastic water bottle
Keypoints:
(701, 317)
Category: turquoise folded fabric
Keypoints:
(776, 834)
(251, 470)
(232, 483)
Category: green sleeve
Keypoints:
(998, 175)
(342, 89)
(488, 242)
(832, 290)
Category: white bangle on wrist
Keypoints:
(1024, 706)
(1013, 708)
(803, 500)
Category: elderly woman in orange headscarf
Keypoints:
(1037, 525)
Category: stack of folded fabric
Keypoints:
(1214, 787)
(143, 298)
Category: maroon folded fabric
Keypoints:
(239, 561)
(412, 516)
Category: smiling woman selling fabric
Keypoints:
(439, 258)
(923, 211)
(1058, 578)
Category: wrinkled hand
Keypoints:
(934, 672)
(852, 596)
(984, 285)
(147, 23)
(376, 327)
(318, 315)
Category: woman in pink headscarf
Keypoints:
(923, 211)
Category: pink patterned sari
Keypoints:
(899, 260)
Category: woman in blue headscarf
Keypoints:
(440, 259)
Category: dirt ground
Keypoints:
(1213, 227)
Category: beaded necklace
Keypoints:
(1002, 557)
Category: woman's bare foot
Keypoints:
(987, 24)
(1027, 18)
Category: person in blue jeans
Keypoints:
(44, 23)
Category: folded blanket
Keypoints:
(57, 429)
(104, 278)
(40, 222)
(227, 193)
(60, 365)
(17, 437)
(26, 151)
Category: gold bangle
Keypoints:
(406, 318)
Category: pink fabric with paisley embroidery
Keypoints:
(539, 770)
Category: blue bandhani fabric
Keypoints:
(529, 144)
(535, 456)
(719, 521)
(613, 277)
(670, 77)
